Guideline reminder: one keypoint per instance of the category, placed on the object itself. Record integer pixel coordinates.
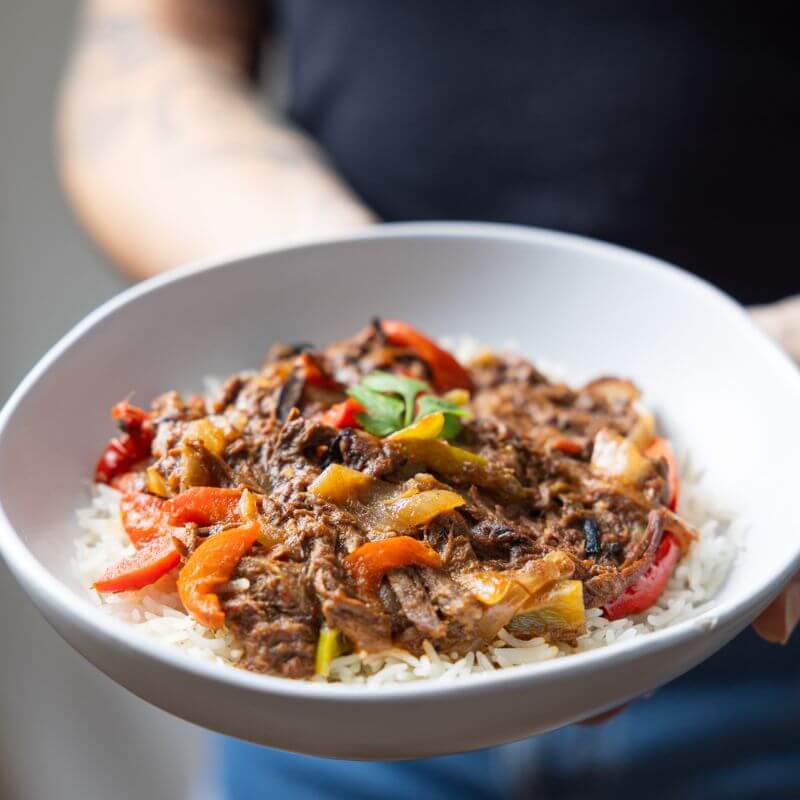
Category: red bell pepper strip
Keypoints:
(642, 594)
(203, 505)
(313, 375)
(132, 446)
(566, 445)
(141, 569)
(370, 562)
(210, 566)
(343, 415)
(143, 517)
(447, 372)
(661, 448)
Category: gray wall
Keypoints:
(66, 731)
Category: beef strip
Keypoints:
(606, 582)
(511, 390)
(415, 603)
(459, 610)
(363, 622)
(437, 609)
(352, 359)
(275, 616)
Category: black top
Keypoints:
(669, 127)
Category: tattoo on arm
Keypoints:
(122, 47)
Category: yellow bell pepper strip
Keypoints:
(442, 457)
(419, 509)
(145, 566)
(370, 562)
(328, 647)
(208, 434)
(458, 464)
(204, 505)
(339, 484)
(459, 397)
(453, 413)
(210, 566)
(428, 427)
(447, 372)
(557, 611)
(156, 483)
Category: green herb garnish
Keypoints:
(382, 413)
(407, 388)
(429, 404)
(389, 403)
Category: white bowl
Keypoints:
(719, 386)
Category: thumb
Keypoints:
(782, 616)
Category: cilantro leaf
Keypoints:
(429, 404)
(407, 388)
(382, 414)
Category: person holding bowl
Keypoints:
(668, 129)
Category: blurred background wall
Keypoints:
(66, 731)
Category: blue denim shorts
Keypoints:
(730, 729)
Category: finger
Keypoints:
(781, 321)
(600, 718)
(781, 617)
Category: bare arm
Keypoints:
(166, 154)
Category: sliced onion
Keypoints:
(538, 574)
(488, 587)
(500, 614)
(248, 506)
(616, 457)
(644, 429)
(682, 532)
(613, 390)
(506, 593)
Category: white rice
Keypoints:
(157, 611)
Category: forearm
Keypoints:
(167, 156)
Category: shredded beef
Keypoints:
(536, 492)
(275, 617)
(365, 623)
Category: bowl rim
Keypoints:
(51, 593)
